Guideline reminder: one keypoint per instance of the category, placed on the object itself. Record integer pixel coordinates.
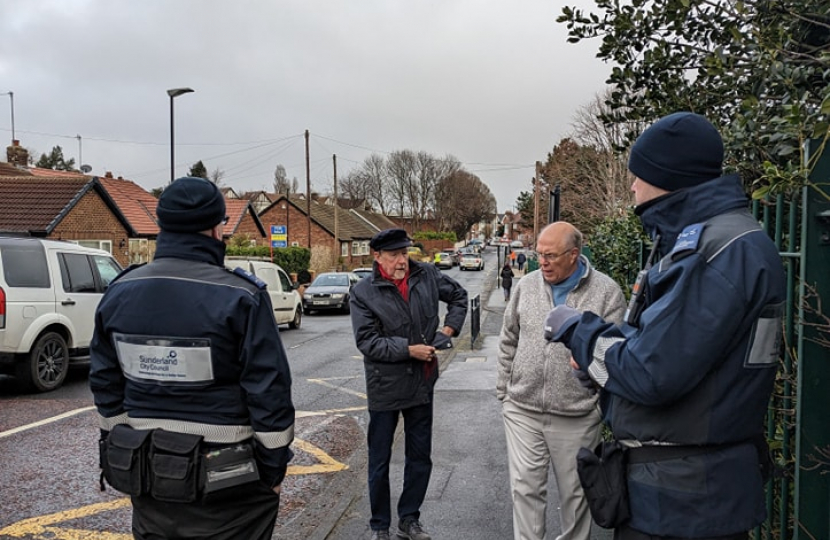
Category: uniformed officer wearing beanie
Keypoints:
(186, 350)
(685, 382)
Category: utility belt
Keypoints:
(174, 467)
(603, 472)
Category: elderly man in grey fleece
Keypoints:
(548, 414)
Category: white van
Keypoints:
(49, 291)
(287, 303)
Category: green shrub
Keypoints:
(292, 259)
(435, 235)
(616, 246)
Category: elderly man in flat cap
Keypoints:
(191, 382)
(395, 320)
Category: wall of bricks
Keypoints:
(248, 227)
(91, 219)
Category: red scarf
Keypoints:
(401, 284)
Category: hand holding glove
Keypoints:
(559, 322)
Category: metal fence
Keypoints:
(798, 498)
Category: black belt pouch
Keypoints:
(228, 471)
(174, 466)
(124, 459)
(602, 473)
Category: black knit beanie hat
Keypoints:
(190, 205)
(678, 151)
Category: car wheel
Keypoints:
(298, 318)
(47, 364)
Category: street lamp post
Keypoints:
(11, 98)
(174, 92)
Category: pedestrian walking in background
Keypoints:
(686, 380)
(520, 260)
(506, 280)
(548, 415)
(512, 258)
(189, 376)
(395, 321)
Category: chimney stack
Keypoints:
(17, 155)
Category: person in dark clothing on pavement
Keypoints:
(686, 379)
(191, 383)
(396, 326)
(521, 258)
(506, 280)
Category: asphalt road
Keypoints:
(49, 485)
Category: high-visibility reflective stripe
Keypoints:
(275, 439)
(212, 433)
(597, 369)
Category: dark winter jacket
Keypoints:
(506, 277)
(185, 316)
(699, 368)
(385, 326)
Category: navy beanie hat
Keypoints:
(678, 151)
(190, 205)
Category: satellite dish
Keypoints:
(85, 169)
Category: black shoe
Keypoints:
(380, 535)
(412, 530)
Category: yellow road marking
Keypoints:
(41, 525)
(44, 421)
(327, 463)
(324, 382)
(326, 412)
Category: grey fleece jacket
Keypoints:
(534, 373)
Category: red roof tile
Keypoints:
(137, 205)
(32, 204)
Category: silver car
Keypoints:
(329, 290)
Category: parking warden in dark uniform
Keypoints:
(396, 327)
(191, 382)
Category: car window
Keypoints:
(107, 268)
(25, 266)
(286, 282)
(269, 276)
(331, 280)
(76, 273)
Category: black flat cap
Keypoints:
(389, 240)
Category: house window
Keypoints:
(364, 247)
(141, 250)
(344, 249)
(106, 245)
(355, 248)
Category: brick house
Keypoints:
(243, 220)
(71, 208)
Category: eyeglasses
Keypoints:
(552, 256)
(225, 220)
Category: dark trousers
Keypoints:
(627, 533)
(417, 423)
(249, 515)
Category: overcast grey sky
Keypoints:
(493, 83)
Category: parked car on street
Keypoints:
(49, 291)
(443, 260)
(455, 256)
(471, 261)
(285, 300)
(363, 272)
(329, 290)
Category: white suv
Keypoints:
(49, 291)
(286, 301)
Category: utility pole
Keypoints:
(537, 190)
(308, 189)
(336, 205)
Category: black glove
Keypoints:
(441, 341)
(585, 380)
(559, 323)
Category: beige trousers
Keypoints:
(535, 441)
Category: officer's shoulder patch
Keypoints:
(249, 277)
(687, 240)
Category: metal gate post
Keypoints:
(812, 467)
